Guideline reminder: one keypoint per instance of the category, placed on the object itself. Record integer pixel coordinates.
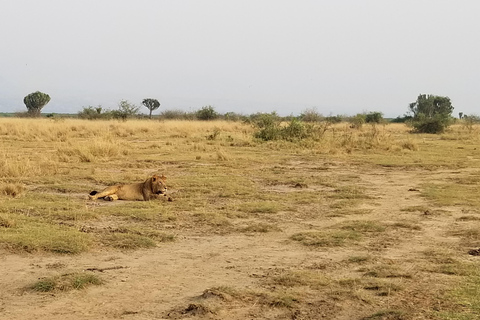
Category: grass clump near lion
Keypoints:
(153, 188)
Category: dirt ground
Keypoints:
(172, 281)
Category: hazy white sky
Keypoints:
(339, 56)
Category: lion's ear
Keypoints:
(154, 178)
(163, 177)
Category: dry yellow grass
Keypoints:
(337, 211)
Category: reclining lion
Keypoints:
(153, 188)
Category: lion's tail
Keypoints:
(93, 193)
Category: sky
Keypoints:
(246, 56)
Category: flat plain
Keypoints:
(369, 223)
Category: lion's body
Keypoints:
(153, 188)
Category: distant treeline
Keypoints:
(209, 113)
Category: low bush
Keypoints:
(435, 124)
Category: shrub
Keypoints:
(435, 124)
(374, 117)
(311, 115)
(207, 113)
(176, 115)
(469, 121)
(295, 130)
(232, 116)
(92, 113)
(268, 125)
(357, 121)
(402, 119)
(334, 119)
(125, 110)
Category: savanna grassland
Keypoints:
(369, 223)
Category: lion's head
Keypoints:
(158, 185)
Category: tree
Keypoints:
(207, 113)
(431, 114)
(35, 102)
(151, 104)
(125, 110)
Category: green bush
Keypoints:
(402, 119)
(125, 110)
(334, 119)
(177, 115)
(92, 113)
(267, 125)
(374, 117)
(431, 114)
(357, 121)
(207, 113)
(295, 130)
(435, 124)
(232, 116)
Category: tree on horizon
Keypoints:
(35, 102)
(151, 104)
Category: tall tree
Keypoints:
(151, 104)
(431, 114)
(430, 106)
(35, 102)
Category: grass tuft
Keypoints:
(12, 189)
(326, 238)
(66, 282)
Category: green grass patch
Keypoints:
(415, 209)
(387, 315)
(352, 192)
(362, 226)
(468, 218)
(127, 241)
(452, 194)
(344, 206)
(332, 238)
(67, 282)
(406, 225)
(31, 236)
(308, 278)
(359, 259)
(385, 271)
(466, 295)
(260, 207)
(259, 227)
(470, 235)
(50, 207)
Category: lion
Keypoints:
(153, 188)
